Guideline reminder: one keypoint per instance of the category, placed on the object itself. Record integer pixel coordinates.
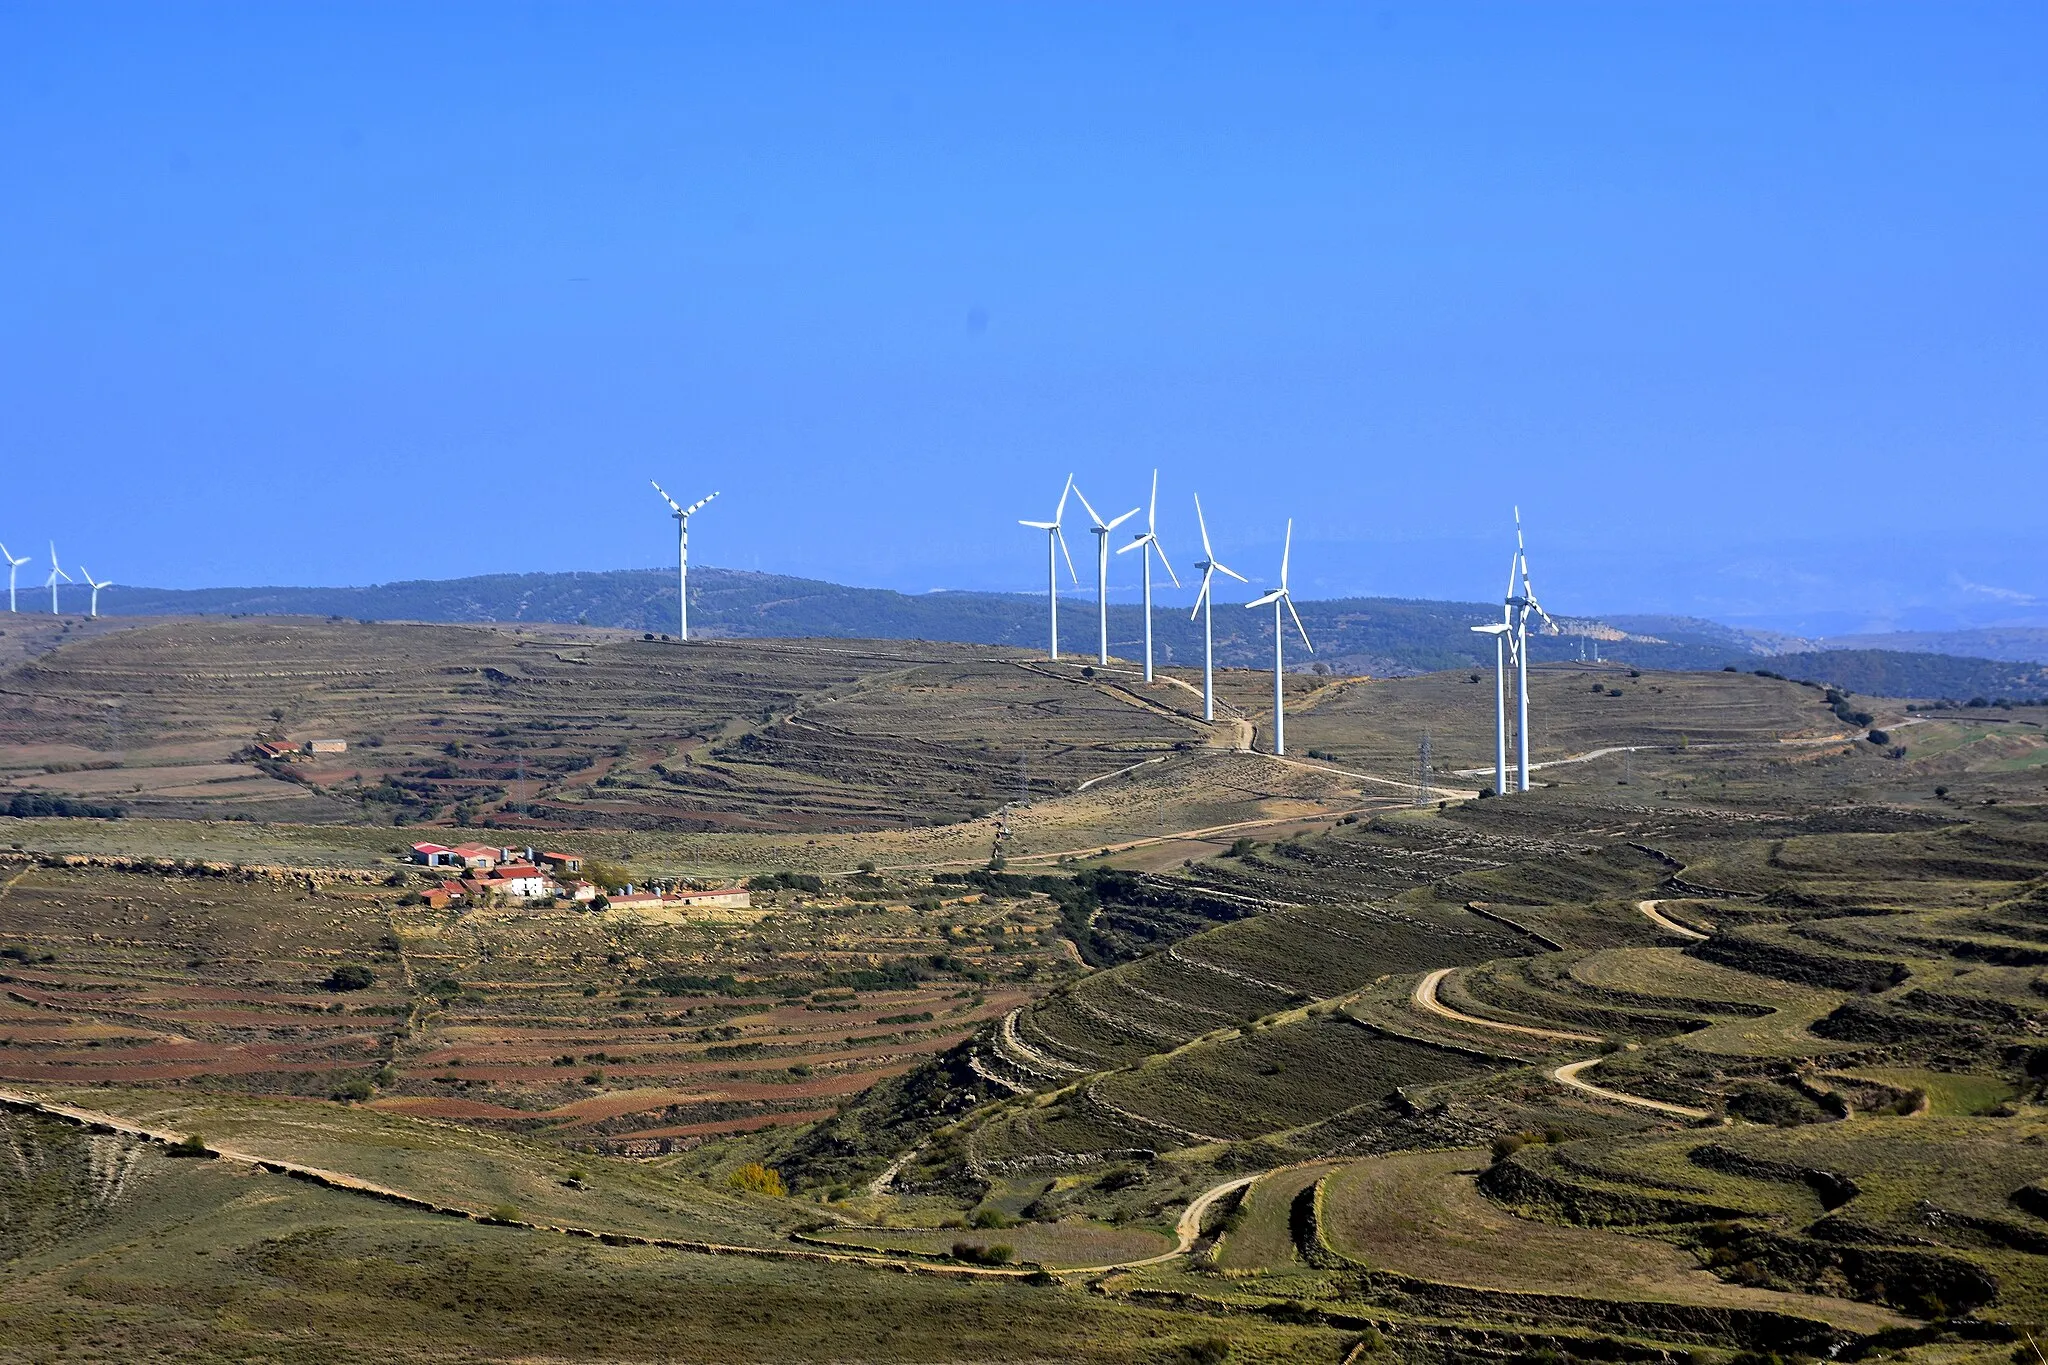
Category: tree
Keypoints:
(755, 1178)
(350, 978)
(610, 876)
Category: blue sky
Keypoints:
(1743, 303)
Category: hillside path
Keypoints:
(1425, 998)
(1664, 921)
(1188, 1228)
(1568, 1074)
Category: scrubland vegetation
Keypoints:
(1732, 1037)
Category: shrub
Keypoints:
(992, 1218)
(350, 978)
(754, 1178)
(1208, 1351)
(355, 1088)
(974, 1254)
(1239, 847)
(190, 1145)
(502, 1213)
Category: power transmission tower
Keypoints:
(1423, 796)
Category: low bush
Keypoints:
(350, 978)
(754, 1178)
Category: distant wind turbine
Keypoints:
(1521, 606)
(96, 586)
(1102, 529)
(1278, 597)
(682, 515)
(1150, 542)
(1053, 536)
(1503, 641)
(1203, 603)
(55, 574)
(13, 568)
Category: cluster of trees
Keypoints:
(31, 805)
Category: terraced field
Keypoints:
(597, 1031)
(571, 727)
(1734, 1044)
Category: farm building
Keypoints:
(734, 897)
(570, 863)
(444, 895)
(326, 746)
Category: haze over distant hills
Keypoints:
(1378, 635)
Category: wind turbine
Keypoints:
(1102, 529)
(1052, 564)
(1503, 645)
(55, 574)
(13, 567)
(1520, 607)
(1278, 596)
(1203, 602)
(1150, 540)
(682, 515)
(96, 586)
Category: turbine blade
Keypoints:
(1111, 526)
(1202, 596)
(698, 506)
(674, 506)
(1059, 513)
(1207, 553)
(1040, 525)
(1225, 568)
(1061, 537)
(1286, 549)
(1093, 515)
(1297, 621)
(1265, 600)
(1145, 539)
(1152, 516)
(1162, 560)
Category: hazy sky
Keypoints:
(1743, 302)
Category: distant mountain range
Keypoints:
(1377, 635)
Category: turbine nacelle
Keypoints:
(1280, 594)
(1150, 535)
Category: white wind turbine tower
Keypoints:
(682, 515)
(1277, 597)
(1150, 540)
(1053, 537)
(94, 614)
(1203, 604)
(55, 574)
(1521, 606)
(13, 568)
(1102, 529)
(1503, 648)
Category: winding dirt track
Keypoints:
(1568, 1074)
(1665, 922)
(1188, 1228)
(1424, 998)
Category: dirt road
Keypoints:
(1424, 998)
(1665, 922)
